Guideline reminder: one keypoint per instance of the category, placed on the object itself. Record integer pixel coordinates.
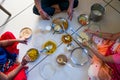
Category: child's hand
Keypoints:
(22, 40)
(24, 61)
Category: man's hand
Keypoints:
(70, 13)
(44, 15)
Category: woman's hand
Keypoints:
(44, 15)
(88, 31)
(86, 44)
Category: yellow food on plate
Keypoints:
(33, 54)
(61, 22)
(50, 43)
(67, 39)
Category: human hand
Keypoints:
(22, 40)
(70, 13)
(44, 15)
(87, 31)
(24, 61)
(86, 44)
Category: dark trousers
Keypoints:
(46, 6)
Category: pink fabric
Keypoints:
(12, 48)
(116, 58)
(107, 47)
(116, 65)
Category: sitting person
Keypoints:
(47, 8)
(106, 62)
(10, 69)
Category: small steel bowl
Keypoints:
(83, 19)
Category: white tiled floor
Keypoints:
(22, 16)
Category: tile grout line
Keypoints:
(108, 3)
(19, 13)
(37, 64)
(114, 8)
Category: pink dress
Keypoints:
(114, 50)
(106, 47)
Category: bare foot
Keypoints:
(57, 8)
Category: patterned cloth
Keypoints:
(8, 55)
(106, 47)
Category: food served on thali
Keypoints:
(33, 54)
(66, 38)
(59, 25)
(84, 37)
(25, 33)
(83, 19)
(61, 59)
(52, 45)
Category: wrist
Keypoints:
(20, 66)
(40, 11)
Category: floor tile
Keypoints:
(22, 16)
(60, 71)
(16, 6)
(116, 4)
(25, 19)
(111, 20)
(107, 1)
(3, 17)
(85, 5)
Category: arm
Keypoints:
(9, 42)
(12, 74)
(107, 59)
(38, 5)
(70, 9)
(71, 2)
(109, 36)
(43, 14)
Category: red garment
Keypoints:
(12, 48)
(20, 76)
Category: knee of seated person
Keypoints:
(49, 10)
(75, 3)
(35, 11)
